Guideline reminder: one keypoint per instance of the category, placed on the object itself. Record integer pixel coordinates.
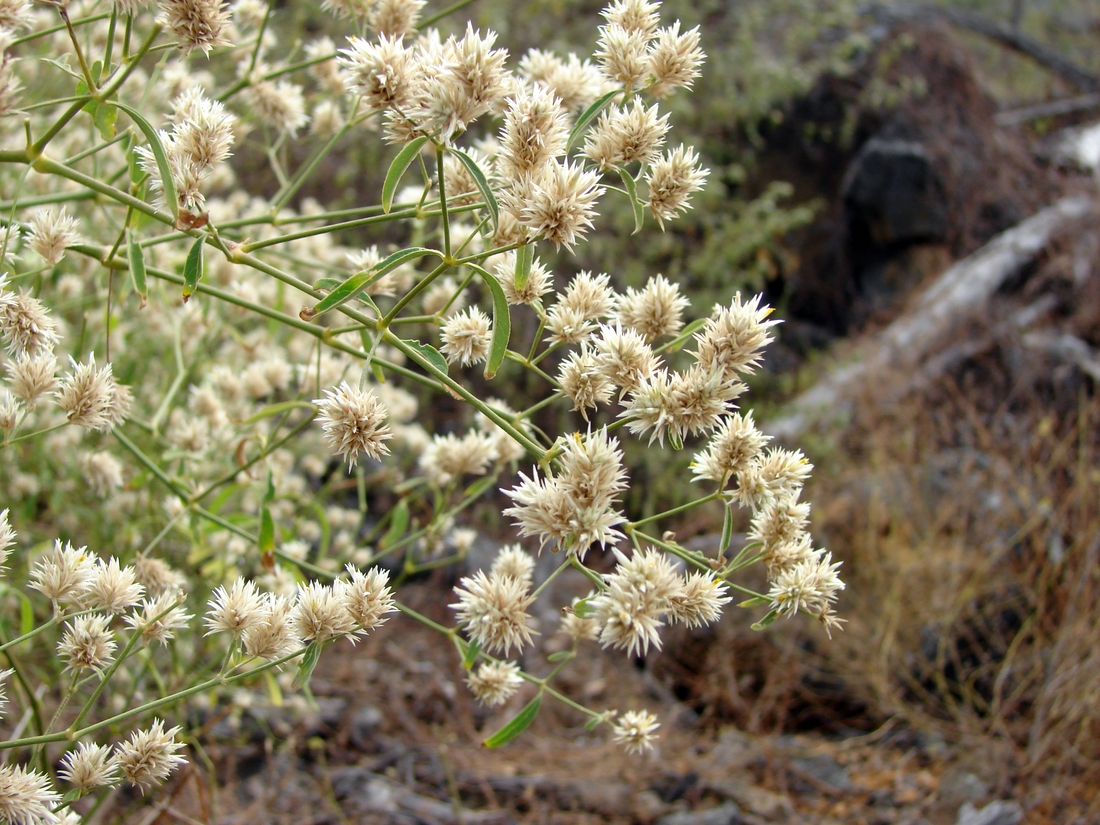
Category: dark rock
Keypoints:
(894, 195)
(725, 814)
(364, 723)
(1001, 812)
(671, 787)
(824, 770)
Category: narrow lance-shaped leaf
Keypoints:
(168, 185)
(502, 322)
(136, 259)
(472, 650)
(588, 115)
(635, 204)
(399, 523)
(397, 169)
(266, 539)
(482, 185)
(727, 528)
(192, 268)
(429, 354)
(361, 280)
(518, 725)
(307, 665)
(525, 258)
(767, 621)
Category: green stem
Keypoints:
(304, 172)
(591, 575)
(441, 177)
(674, 511)
(409, 296)
(424, 620)
(435, 18)
(79, 52)
(83, 21)
(550, 578)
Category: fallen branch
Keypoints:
(905, 345)
(1007, 36)
(1052, 108)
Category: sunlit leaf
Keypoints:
(518, 725)
(400, 163)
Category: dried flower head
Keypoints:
(195, 24)
(731, 340)
(699, 600)
(51, 232)
(639, 591)
(395, 17)
(582, 382)
(810, 586)
(157, 576)
(538, 279)
(279, 104)
(353, 420)
(158, 618)
(672, 179)
(380, 72)
(779, 521)
(736, 443)
(633, 15)
(494, 610)
(16, 14)
(674, 60)
(234, 610)
(623, 54)
(674, 405)
(367, 597)
(26, 797)
(535, 132)
(626, 135)
(103, 472)
(272, 636)
(558, 202)
(514, 561)
(466, 337)
(494, 683)
(89, 766)
(32, 376)
(150, 756)
(7, 538)
(653, 311)
(87, 395)
(63, 574)
(624, 357)
(11, 411)
(112, 587)
(449, 457)
(587, 297)
(26, 325)
(87, 643)
(634, 730)
(320, 614)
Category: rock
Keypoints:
(894, 194)
(825, 770)
(1001, 812)
(725, 814)
(756, 800)
(607, 797)
(959, 786)
(364, 723)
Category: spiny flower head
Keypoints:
(494, 610)
(624, 357)
(149, 756)
(626, 135)
(634, 730)
(466, 337)
(395, 17)
(633, 15)
(449, 457)
(575, 82)
(514, 561)
(87, 643)
(381, 72)
(87, 395)
(64, 574)
(353, 420)
(535, 132)
(699, 600)
(494, 683)
(32, 376)
(559, 202)
(272, 636)
(26, 797)
(731, 340)
(580, 379)
(319, 613)
(653, 311)
(234, 610)
(195, 24)
(736, 443)
(112, 587)
(7, 538)
(672, 179)
(26, 325)
(538, 279)
(51, 232)
(158, 618)
(674, 60)
(367, 597)
(623, 54)
(89, 766)
(810, 586)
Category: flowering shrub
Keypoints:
(168, 400)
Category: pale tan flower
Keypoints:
(678, 404)
(623, 136)
(735, 443)
(653, 311)
(272, 636)
(671, 180)
(633, 15)
(624, 357)
(444, 294)
(158, 618)
(89, 766)
(731, 340)
(87, 395)
(278, 104)
(87, 643)
(16, 14)
(195, 24)
(559, 202)
(32, 376)
(785, 555)
(449, 457)
(395, 17)
(623, 54)
(157, 577)
(504, 447)
(494, 610)
(514, 561)
(576, 83)
(586, 298)
(51, 232)
(64, 574)
(320, 615)
(112, 587)
(579, 628)
(367, 597)
(466, 337)
(381, 72)
(7, 538)
(103, 472)
(634, 730)
(583, 383)
(234, 610)
(11, 411)
(779, 521)
(699, 600)
(535, 131)
(784, 472)
(810, 586)
(674, 60)
(494, 683)
(353, 421)
(539, 279)
(26, 325)
(26, 797)
(150, 756)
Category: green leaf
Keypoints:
(361, 280)
(476, 489)
(105, 118)
(767, 621)
(582, 609)
(399, 523)
(684, 335)
(267, 533)
(157, 148)
(755, 601)
(136, 258)
(587, 116)
(276, 409)
(429, 354)
(560, 656)
(192, 269)
(307, 665)
(525, 257)
(327, 284)
(400, 163)
(727, 529)
(26, 615)
(518, 725)
(482, 185)
(635, 204)
(472, 650)
(502, 322)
